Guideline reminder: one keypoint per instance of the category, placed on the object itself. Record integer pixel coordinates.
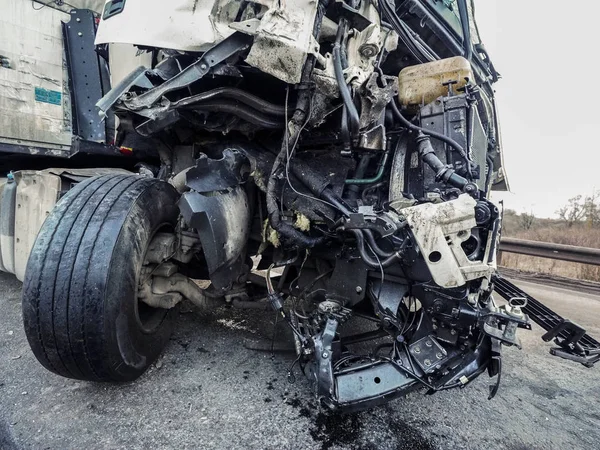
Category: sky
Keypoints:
(548, 97)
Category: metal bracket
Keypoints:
(85, 75)
(428, 353)
(325, 385)
(220, 52)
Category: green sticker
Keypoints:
(47, 96)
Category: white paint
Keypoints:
(440, 228)
(192, 25)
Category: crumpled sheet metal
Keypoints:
(187, 25)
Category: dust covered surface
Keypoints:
(208, 391)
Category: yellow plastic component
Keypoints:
(423, 83)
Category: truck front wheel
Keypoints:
(80, 304)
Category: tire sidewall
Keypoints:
(130, 348)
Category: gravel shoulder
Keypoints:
(209, 391)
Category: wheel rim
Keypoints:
(148, 317)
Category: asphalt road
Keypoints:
(209, 391)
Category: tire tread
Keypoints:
(60, 308)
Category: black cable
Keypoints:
(352, 112)
(360, 245)
(466, 29)
(313, 282)
(419, 50)
(375, 247)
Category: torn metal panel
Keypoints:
(190, 25)
(284, 39)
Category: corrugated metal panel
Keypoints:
(35, 106)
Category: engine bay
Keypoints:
(353, 146)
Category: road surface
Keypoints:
(208, 391)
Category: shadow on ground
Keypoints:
(209, 391)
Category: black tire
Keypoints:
(80, 307)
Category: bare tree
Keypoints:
(592, 209)
(573, 211)
(526, 220)
(581, 208)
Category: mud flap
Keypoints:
(222, 222)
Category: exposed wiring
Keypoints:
(270, 289)
(290, 153)
(381, 271)
(299, 271)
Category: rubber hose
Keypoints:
(375, 246)
(360, 245)
(341, 81)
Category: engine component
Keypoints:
(379, 229)
(439, 230)
(421, 84)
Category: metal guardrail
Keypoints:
(583, 255)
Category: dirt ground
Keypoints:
(209, 391)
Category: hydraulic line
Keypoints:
(237, 94)
(374, 179)
(352, 112)
(359, 173)
(243, 112)
(380, 172)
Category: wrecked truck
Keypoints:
(331, 160)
